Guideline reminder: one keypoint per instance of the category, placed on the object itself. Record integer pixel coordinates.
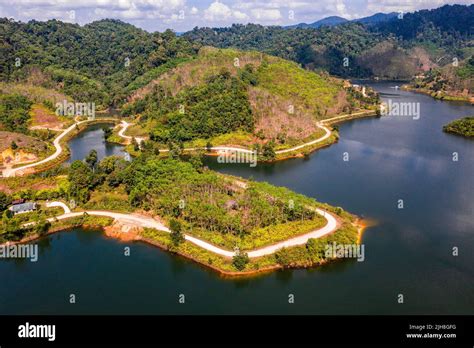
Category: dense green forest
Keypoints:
(96, 61)
(444, 31)
(218, 208)
(14, 113)
(106, 60)
(217, 107)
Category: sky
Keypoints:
(183, 15)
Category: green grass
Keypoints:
(82, 221)
(111, 199)
(313, 252)
(237, 138)
(260, 237)
(154, 73)
(288, 80)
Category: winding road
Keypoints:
(143, 221)
(322, 125)
(8, 172)
(121, 133)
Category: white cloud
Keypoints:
(240, 15)
(342, 10)
(409, 5)
(218, 12)
(87, 10)
(162, 14)
(266, 14)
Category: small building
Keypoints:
(23, 208)
(18, 201)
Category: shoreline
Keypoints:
(302, 152)
(333, 138)
(62, 155)
(359, 223)
(446, 98)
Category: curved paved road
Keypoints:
(12, 171)
(57, 144)
(320, 125)
(143, 221)
(327, 134)
(121, 134)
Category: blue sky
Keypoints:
(182, 15)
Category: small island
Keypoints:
(463, 126)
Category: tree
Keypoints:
(107, 132)
(13, 145)
(177, 236)
(176, 149)
(240, 260)
(14, 112)
(5, 201)
(42, 226)
(268, 151)
(81, 179)
(136, 145)
(91, 159)
(196, 161)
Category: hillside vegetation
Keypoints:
(396, 48)
(451, 82)
(226, 90)
(91, 63)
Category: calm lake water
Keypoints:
(93, 139)
(408, 252)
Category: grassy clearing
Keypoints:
(32, 183)
(24, 142)
(35, 93)
(260, 237)
(303, 87)
(43, 117)
(237, 138)
(109, 199)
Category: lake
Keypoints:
(409, 251)
(93, 139)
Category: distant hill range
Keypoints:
(382, 45)
(336, 20)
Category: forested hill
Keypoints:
(105, 61)
(251, 96)
(398, 48)
(445, 23)
(100, 58)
